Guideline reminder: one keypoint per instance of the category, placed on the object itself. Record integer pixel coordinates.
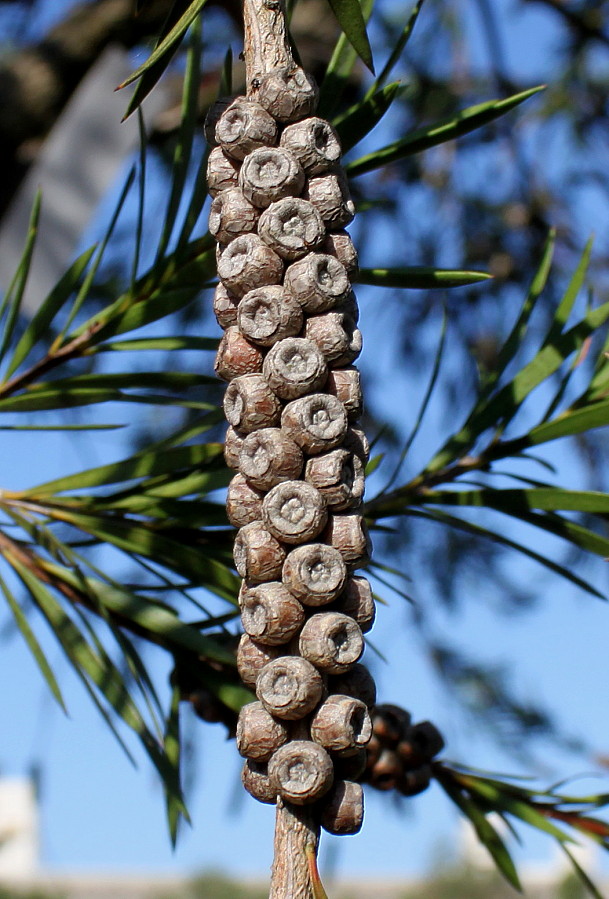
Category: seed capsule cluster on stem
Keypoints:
(289, 315)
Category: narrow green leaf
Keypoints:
(360, 119)
(398, 48)
(226, 78)
(565, 307)
(172, 747)
(585, 879)
(44, 399)
(448, 129)
(353, 24)
(33, 645)
(61, 427)
(498, 799)
(568, 424)
(141, 198)
(159, 343)
(11, 302)
(419, 277)
(339, 70)
(158, 380)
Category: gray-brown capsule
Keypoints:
(289, 687)
(270, 614)
(225, 306)
(318, 282)
(356, 441)
(349, 306)
(339, 477)
(255, 779)
(301, 772)
(252, 657)
(247, 262)
(331, 641)
(337, 337)
(357, 682)
(268, 457)
(215, 111)
(258, 555)
(411, 783)
(243, 502)
(288, 93)
(358, 603)
(259, 735)
(345, 385)
(244, 126)
(314, 142)
(341, 724)
(349, 535)
(236, 355)
(268, 314)
(316, 423)
(329, 193)
(294, 367)
(231, 215)
(339, 244)
(342, 812)
(291, 227)
(315, 573)
(294, 512)
(249, 403)
(222, 172)
(269, 174)
(232, 447)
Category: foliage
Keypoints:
(155, 514)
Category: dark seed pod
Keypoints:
(301, 772)
(255, 779)
(215, 111)
(243, 503)
(291, 227)
(231, 215)
(349, 535)
(249, 403)
(236, 356)
(259, 735)
(222, 172)
(358, 603)
(411, 783)
(225, 307)
(339, 477)
(295, 366)
(350, 767)
(258, 555)
(373, 754)
(268, 314)
(331, 641)
(288, 93)
(315, 573)
(349, 306)
(357, 682)
(294, 512)
(232, 447)
(342, 811)
(341, 723)
(330, 194)
(421, 743)
(247, 263)
(344, 384)
(316, 423)
(339, 244)
(391, 724)
(252, 657)
(269, 457)
(314, 142)
(270, 174)
(387, 771)
(336, 336)
(318, 282)
(244, 126)
(289, 687)
(270, 614)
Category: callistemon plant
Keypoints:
(286, 304)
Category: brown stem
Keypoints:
(296, 830)
(266, 43)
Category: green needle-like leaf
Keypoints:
(353, 24)
(339, 70)
(11, 302)
(419, 277)
(360, 119)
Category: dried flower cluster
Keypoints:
(285, 302)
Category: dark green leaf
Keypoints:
(159, 343)
(419, 277)
(360, 119)
(398, 48)
(353, 24)
(11, 302)
(338, 71)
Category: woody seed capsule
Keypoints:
(222, 172)
(318, 282)
(315, 573)
(314, 142)
(215, 111)
(268, 314)
(233, 442)
(291, 227)
(236, 355)
(269, 174)
(358, 603)
(288, 93)
(341, 724)
(289, 687)
(357, 682)
(345, 385)
(244, 126)
(255, 779)
(295, 366)
(247, 263)
(258, 555)
(316, 423)
(331, 641)
(330, 194)
(343, 808)
(339, 477)
(249, 403)
(336, 336)
(294, 512)
(270, 614)
(339, 244)
(349, 535)
(243, 503)
(225, 307)
(259, 735)
(269, 457)
(231, 215)
(301, 772)
(252, 657)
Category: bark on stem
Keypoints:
(296, 828)
(266, 43)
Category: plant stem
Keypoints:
(296, 829)
(266, 44)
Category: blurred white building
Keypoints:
(19, 828)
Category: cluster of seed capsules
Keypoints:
(285, 302)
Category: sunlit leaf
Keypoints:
(419, 277)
